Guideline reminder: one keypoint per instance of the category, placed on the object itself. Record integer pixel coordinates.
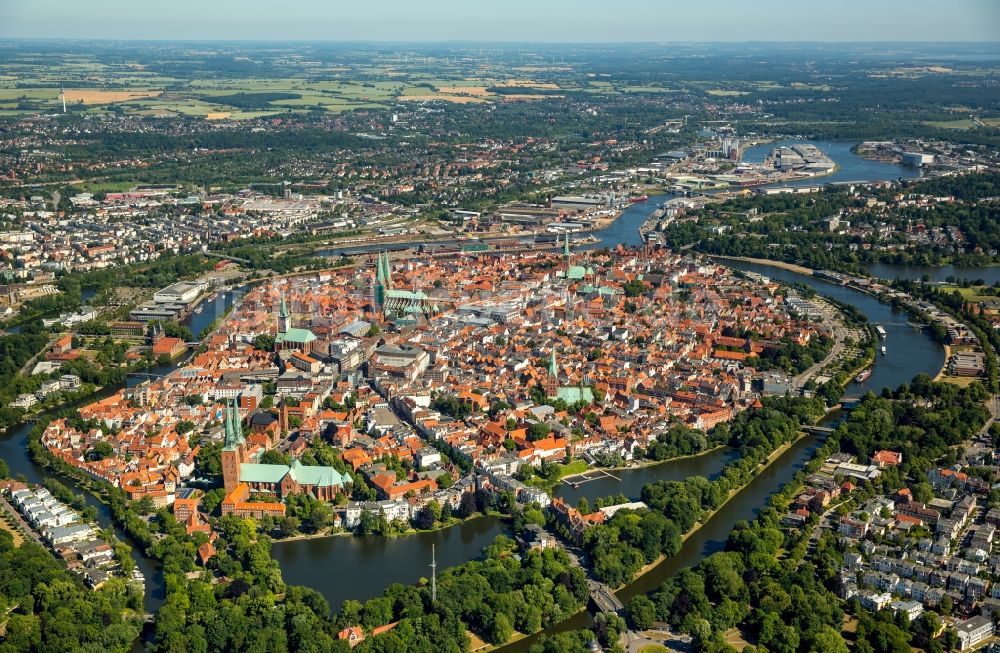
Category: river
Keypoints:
(850, 166)
(989, 273)
(909, 349)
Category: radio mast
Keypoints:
(433, 565)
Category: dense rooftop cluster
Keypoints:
(505, 361)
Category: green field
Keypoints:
(973, 294)
(953, 124)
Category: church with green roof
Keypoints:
(569, 393)
(319, 481)
(289, 337)
(401, 307)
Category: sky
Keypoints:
(545, 21)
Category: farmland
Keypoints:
(188, 84)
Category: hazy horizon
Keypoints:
(515, 21)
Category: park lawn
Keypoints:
(654, 648)
(107, 186)
(573, 467)
(14, 532)
(973, 294)
(960, 381)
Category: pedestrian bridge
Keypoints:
(817, 430)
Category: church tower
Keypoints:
(552, 380)
(387, 271)
(383, 281)
(567, 255)
(284, 319)
(379, 284)
(234, 449)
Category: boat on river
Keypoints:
(883, 350)
(861, 378)
(881, 330)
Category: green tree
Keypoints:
(641, 612)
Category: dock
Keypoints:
(587, 476)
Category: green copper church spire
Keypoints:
(566, 245)
(553, 368)
(234, 432)
(386, 271)
(380, 283)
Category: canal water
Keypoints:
(345, 567)
(630, 481)
(14, 451)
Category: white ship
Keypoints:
(883, 350)
(881, 330)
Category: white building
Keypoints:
(917, 159)
(972, 631)
(912, 609)
(179, 293)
